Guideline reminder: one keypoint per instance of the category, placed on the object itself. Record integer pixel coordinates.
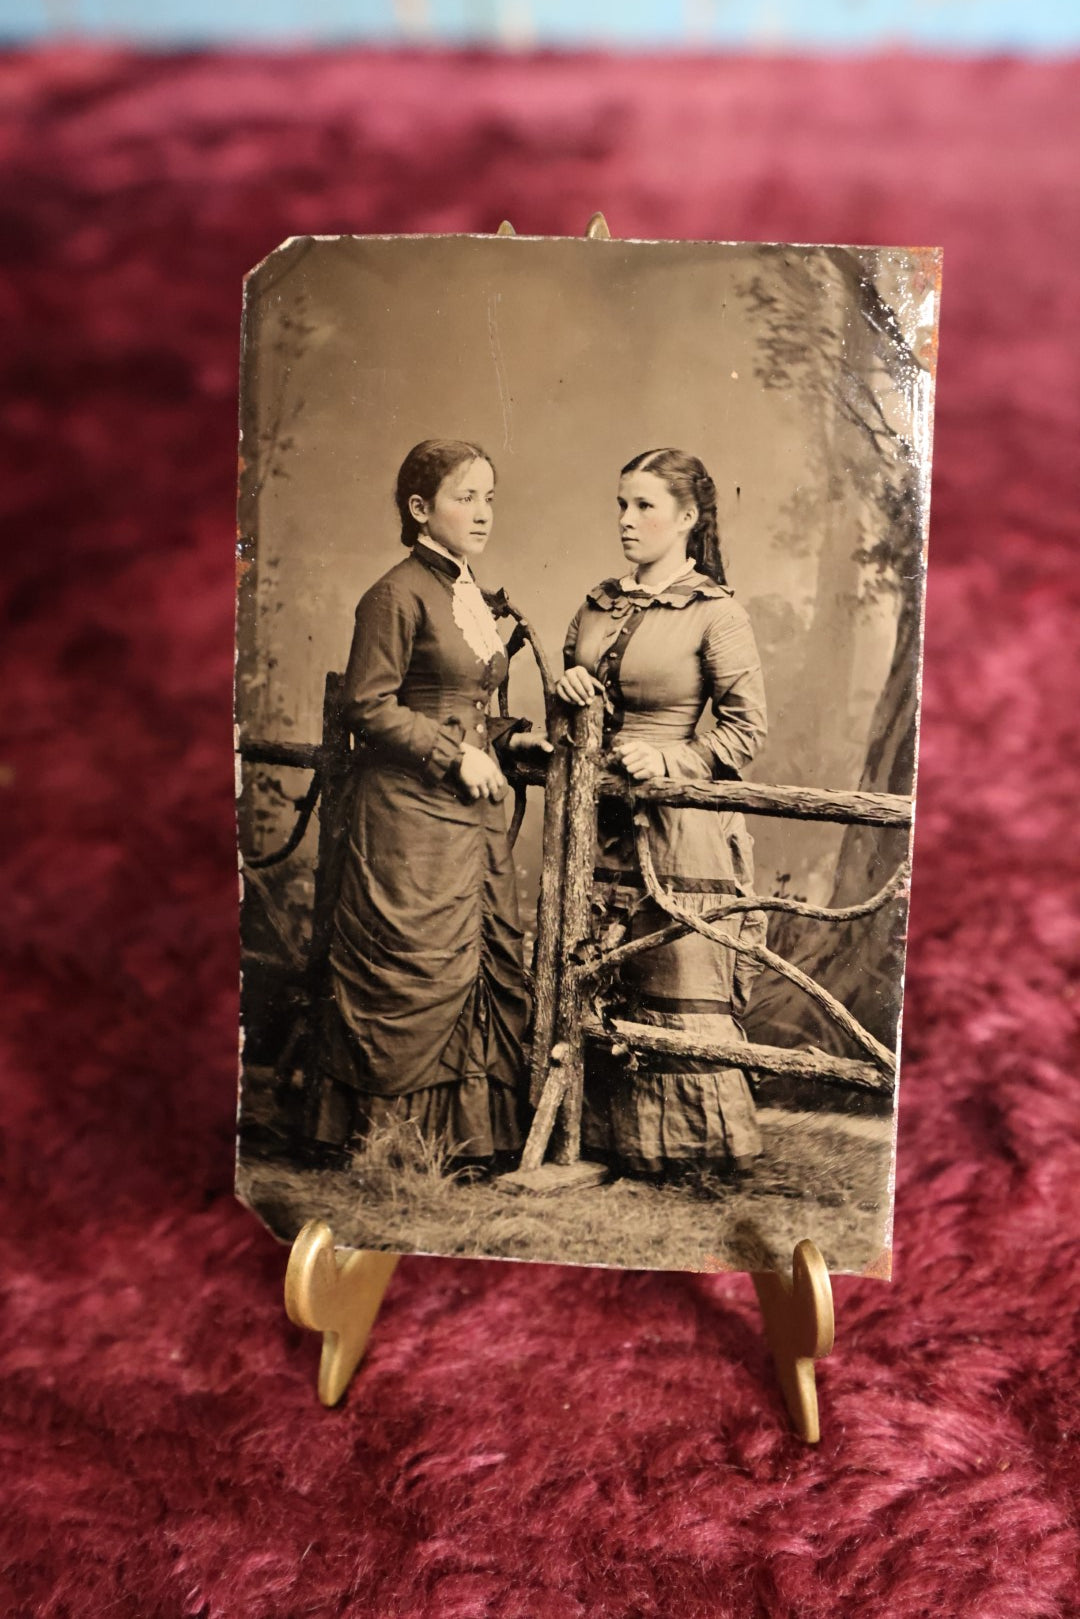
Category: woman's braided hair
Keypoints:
(424, 469)
(685, 477)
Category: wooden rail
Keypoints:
(787, 1062)
(295, 755)
(754, 798)
(786, 803)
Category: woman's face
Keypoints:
(653, 526)
(460, 516)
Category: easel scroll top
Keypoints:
(595, 231)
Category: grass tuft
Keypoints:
(821, 1176)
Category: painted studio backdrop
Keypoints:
(801, 377)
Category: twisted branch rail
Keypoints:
(833, 1009)
(740, 907)
(296, 755)
(502, 607)
(304, 811)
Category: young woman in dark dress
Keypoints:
(663, 642)
(429, 1004)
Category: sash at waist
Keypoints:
(678, 882)
(660, 730)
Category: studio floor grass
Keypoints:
(820, 1176)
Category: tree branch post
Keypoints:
(558, 1114)
(549, 927)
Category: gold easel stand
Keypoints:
(797, 1311)
(338, 1293)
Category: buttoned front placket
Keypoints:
(609, 665)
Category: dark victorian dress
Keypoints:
(663, 659)
(426, 958)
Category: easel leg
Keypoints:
(338, 1295)
(799, 1327)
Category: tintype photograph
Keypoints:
(580, 592)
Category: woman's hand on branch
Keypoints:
(639, 760)
(480, 775)
(528, 742)
(577, 686)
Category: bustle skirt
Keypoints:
(428, 1008)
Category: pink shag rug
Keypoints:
(524, 1443)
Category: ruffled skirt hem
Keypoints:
(650, 1123)
(650, 1120)
(474, 1117)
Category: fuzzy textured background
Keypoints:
(524, 1443)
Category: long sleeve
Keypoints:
(387, 619)
(501, 731)
(732, 670)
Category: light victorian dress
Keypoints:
(664, 657)
(429, 1005)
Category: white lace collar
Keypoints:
(472, 615)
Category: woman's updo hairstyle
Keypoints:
(685, 477)
(424, 469)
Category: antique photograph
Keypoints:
(579, 624)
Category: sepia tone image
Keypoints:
(580, 594)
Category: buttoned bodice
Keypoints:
(663, 658)
(414, 688)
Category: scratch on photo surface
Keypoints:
(500, 371)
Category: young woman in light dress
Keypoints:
(665, 641)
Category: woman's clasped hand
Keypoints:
(641, 762)
(481, 777)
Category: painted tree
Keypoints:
(828, 335)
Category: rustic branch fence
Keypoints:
(570, 964)
(570, 967)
